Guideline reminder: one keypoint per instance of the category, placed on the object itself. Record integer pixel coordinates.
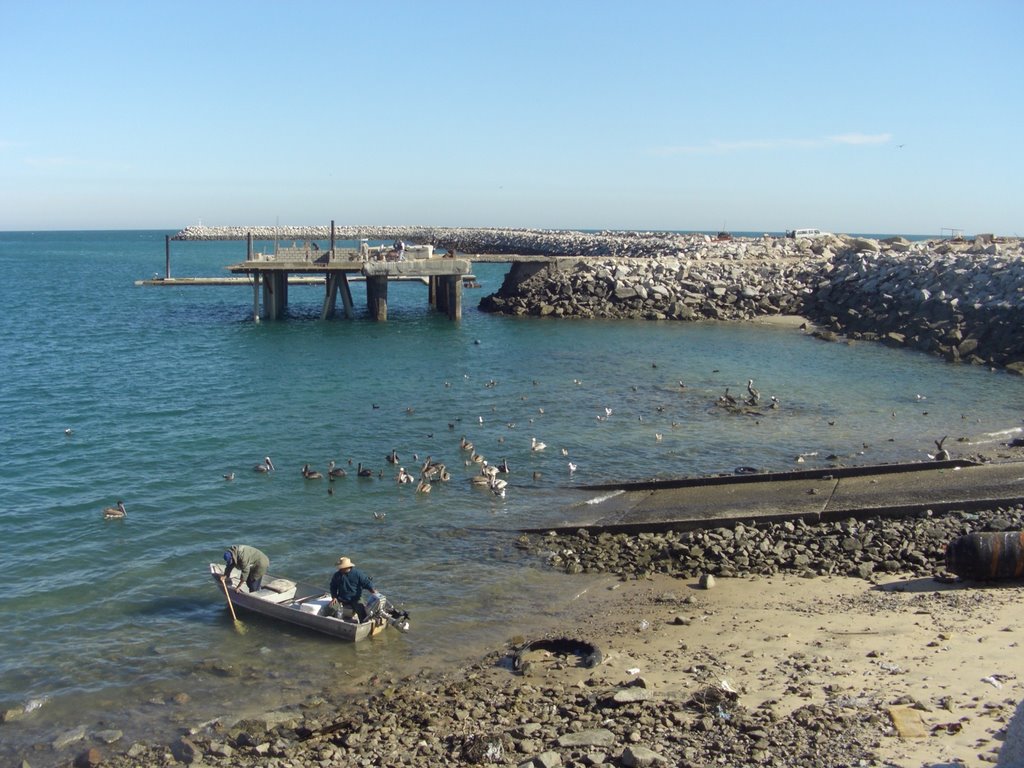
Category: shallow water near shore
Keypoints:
(167, 389)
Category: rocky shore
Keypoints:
(670, 687)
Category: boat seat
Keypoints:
(276, 591)
(278, 585)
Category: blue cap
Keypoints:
(227, 557)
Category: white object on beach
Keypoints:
(633, 671)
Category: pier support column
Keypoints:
(256, 296)
(275, 294)
(454, 297)
(432, 291)
(346, 294)
(167, 256)
(330, 296)
(377, 297)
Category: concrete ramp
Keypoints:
(812, 495)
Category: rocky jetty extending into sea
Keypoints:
(960, 299)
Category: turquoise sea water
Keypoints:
(168, 389)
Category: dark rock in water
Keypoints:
(91, 758)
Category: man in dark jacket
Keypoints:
(252, 566)
(347, 587)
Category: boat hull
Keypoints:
(298, 604)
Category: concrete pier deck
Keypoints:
(377, 266)
(812, 495)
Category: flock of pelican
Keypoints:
(491, 476)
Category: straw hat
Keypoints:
(344, 562)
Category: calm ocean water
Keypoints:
(168, 389)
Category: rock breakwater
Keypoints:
(963, 302)
(961, 299)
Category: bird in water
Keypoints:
(310, 474)
(403, 476)
(266, 466)
(334, 472)
(423, 487)
(363, 472)
(537, 445)
(69, 431)
(941, 454)
(572, 468)
(392, 457)
(503, 467)
(115, 513)
(229, 476)
(379, 515)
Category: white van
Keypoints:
(796, 233)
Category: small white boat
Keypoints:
(304, 604)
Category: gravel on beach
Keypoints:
(680, 709)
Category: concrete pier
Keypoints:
(377, 266)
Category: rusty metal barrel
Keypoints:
(987, 555)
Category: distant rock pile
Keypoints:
(656, 289)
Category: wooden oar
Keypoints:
(239, 626)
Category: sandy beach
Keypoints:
(782, 670)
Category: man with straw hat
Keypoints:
(347, 587)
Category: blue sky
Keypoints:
(853, 117)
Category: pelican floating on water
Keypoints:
(229, 476)
(266, 466)
(335, 471)
(537, 445)
(363, 472)
(423, 487)
(115, 513)
(310, 474)
(392, 457)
